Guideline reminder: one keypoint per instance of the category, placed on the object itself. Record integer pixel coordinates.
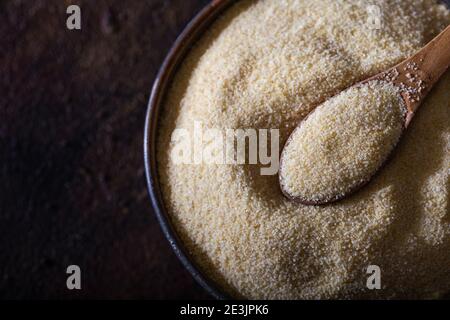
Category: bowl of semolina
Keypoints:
(249, 71)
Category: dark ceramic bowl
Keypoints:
(185, 41)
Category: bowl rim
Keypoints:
(185, 41)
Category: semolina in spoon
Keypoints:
(344, 142)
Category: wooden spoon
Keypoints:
(415, 77)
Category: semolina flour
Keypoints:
(343, 142)
(266, 64)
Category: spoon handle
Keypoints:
(418, 74)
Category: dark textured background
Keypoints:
(72, 186)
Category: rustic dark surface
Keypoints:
(72, 191)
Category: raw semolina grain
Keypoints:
(266, 64)
(340, 145)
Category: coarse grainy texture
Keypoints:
(340, 145)
(266, 64)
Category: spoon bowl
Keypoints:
(413, 79)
